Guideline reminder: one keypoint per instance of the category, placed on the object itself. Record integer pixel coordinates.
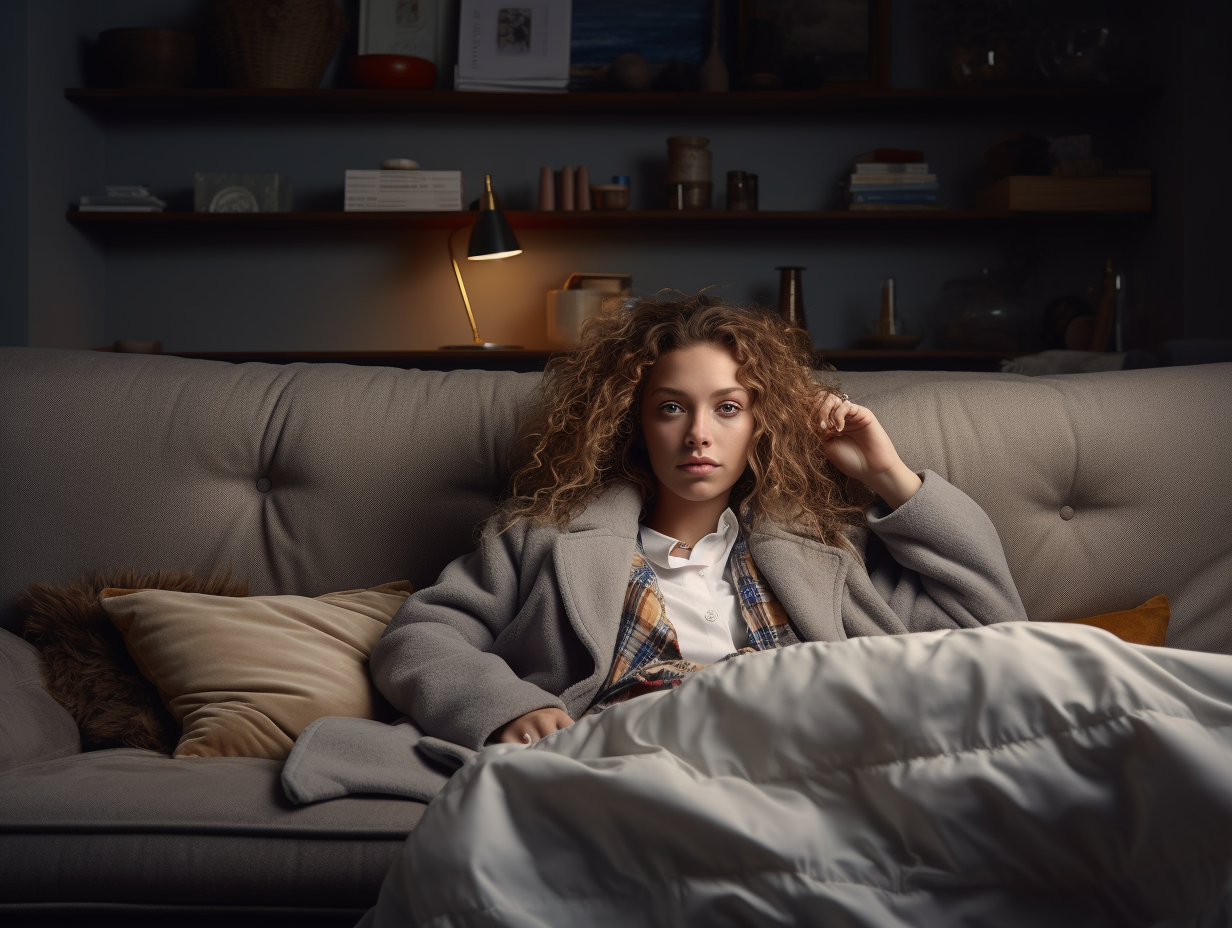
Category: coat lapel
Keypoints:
(807, 577)
(593, 560)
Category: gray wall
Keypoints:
(1208, 143)
(14, 253)
(312, 292)
(52, 280)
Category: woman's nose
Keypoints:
(699, 435)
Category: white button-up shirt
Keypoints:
(701, 601)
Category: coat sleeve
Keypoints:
(434, 661)
(937, 561)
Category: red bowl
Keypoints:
(393, 72)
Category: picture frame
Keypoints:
(808, 44)
(671, 36)
(400, 27)
(508, 44)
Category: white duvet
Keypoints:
(1015, 775)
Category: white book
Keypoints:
(498, 41)
(116, 200)
(428, 191)
(94, 208)
(127, 190)
(883, 167)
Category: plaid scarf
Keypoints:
(647, 654)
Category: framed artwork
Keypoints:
(399, 27)
(673, 36)
(805, 44)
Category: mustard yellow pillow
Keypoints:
(243, 676)
(1145, 624)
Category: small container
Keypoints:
(738, 197)
(567, 189)
(392, 72)
(547, 190)
(609, 196)
(886, 317)
(582, 182)
(567, 311)
(688, 159)
(791, 296)
(689, 195)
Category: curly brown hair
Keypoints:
(585, 431)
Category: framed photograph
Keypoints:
(399, 27)
(805, 44)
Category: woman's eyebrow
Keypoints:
(672, 391)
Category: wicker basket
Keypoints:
(273, 43)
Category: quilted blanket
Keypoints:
(1015, 775)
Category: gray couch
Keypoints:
(1107, 489)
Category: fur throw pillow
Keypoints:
(87, 668)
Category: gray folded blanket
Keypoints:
(338, 756)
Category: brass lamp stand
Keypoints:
(491, 239)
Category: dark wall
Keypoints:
(1207, 66)
(14, 165)
(379, 292)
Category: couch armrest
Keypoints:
(33, 726)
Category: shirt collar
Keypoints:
(714, 548)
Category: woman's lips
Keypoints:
(699, 469)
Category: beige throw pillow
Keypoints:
(244, 676)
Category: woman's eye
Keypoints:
(729, 409)
(670, 408)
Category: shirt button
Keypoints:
(702, 572)
(711, 615)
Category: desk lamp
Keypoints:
(491, 239)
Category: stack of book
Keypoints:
(123, 199)
(413, 191)
(892, 178)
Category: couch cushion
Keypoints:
(244, 676)
(33, 726)
(135, 826)
(300, 478)
(1103, 492)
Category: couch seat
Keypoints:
(138, 827)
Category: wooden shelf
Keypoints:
(534, 360)
(598, 220)
(827, 100)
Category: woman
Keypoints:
(690, 494)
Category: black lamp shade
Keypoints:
(492, 237)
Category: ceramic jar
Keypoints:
(688, 172)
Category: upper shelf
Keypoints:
(831, 99)
(606, 220)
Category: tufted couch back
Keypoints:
(1106, 488)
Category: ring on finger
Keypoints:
(526, 738)
(844, 397)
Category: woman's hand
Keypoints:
(857, 444)
(529, 728)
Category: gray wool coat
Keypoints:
(530, 619)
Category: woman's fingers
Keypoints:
(531, 727)
(837, 412)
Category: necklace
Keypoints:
(681, 544)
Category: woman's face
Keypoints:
(698, 423)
